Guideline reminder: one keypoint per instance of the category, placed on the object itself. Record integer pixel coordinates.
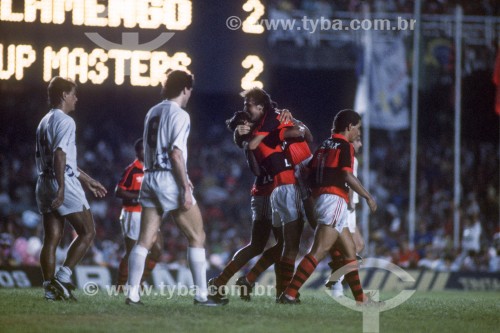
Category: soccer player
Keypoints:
(336, 284)
(267, 143)
(166, 187)
(130, 219)
(298, 152)
(330, 175)
(261, 213)
(59, 191)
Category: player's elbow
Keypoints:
(176, 156)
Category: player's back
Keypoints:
(166, 126)
(56, 129)
(334, 156)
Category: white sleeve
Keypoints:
(180, 131)
(64, 135)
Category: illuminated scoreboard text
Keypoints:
(128, 61)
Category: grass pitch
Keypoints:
(24, 310)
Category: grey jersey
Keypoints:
(166, 126)
(56, 130)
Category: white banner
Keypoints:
(388, 86)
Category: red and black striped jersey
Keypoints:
(298, 151)
(273, 160)
(131, 180)
(334, 155)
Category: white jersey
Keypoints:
(166, 126)
(355, 196)
(56, 130)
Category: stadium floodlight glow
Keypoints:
(255, 66)
(251, 24)
(18, 58)
(148, 14)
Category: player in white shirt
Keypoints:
(59, 191)
(166, 187)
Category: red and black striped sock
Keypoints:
(231, 268)
(352, 279)
(286, 270)
(122, 272)
(148, 268)
(269, 257)
(304, 271)
(337, 259)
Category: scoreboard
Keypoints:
(134, 42)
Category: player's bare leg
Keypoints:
(191, 224)
(358, 241)
(261, 229)
(324, 237)
(83, 224)
(53, 226)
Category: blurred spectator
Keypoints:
(471, 236)
(6, 258)
(407, 258)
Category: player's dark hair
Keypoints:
(58, 86)
(238, 118)
(259, 97)
(175, 82)
(138, 145)
(345, 118)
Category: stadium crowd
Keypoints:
(328, 8)
(222, 184)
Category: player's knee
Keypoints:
(360, 246)
(257, 246)
(88, 234)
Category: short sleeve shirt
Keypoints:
(56, 131)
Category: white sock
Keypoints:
(64, 274)
(198, 265)
(136, 262)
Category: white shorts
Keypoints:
(131, 224)
(261, 208)
(74, 196)
(351, 221)
(302, 178)
(287, 205)
(160, 190)
(331, 210)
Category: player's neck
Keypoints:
(179, 100)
